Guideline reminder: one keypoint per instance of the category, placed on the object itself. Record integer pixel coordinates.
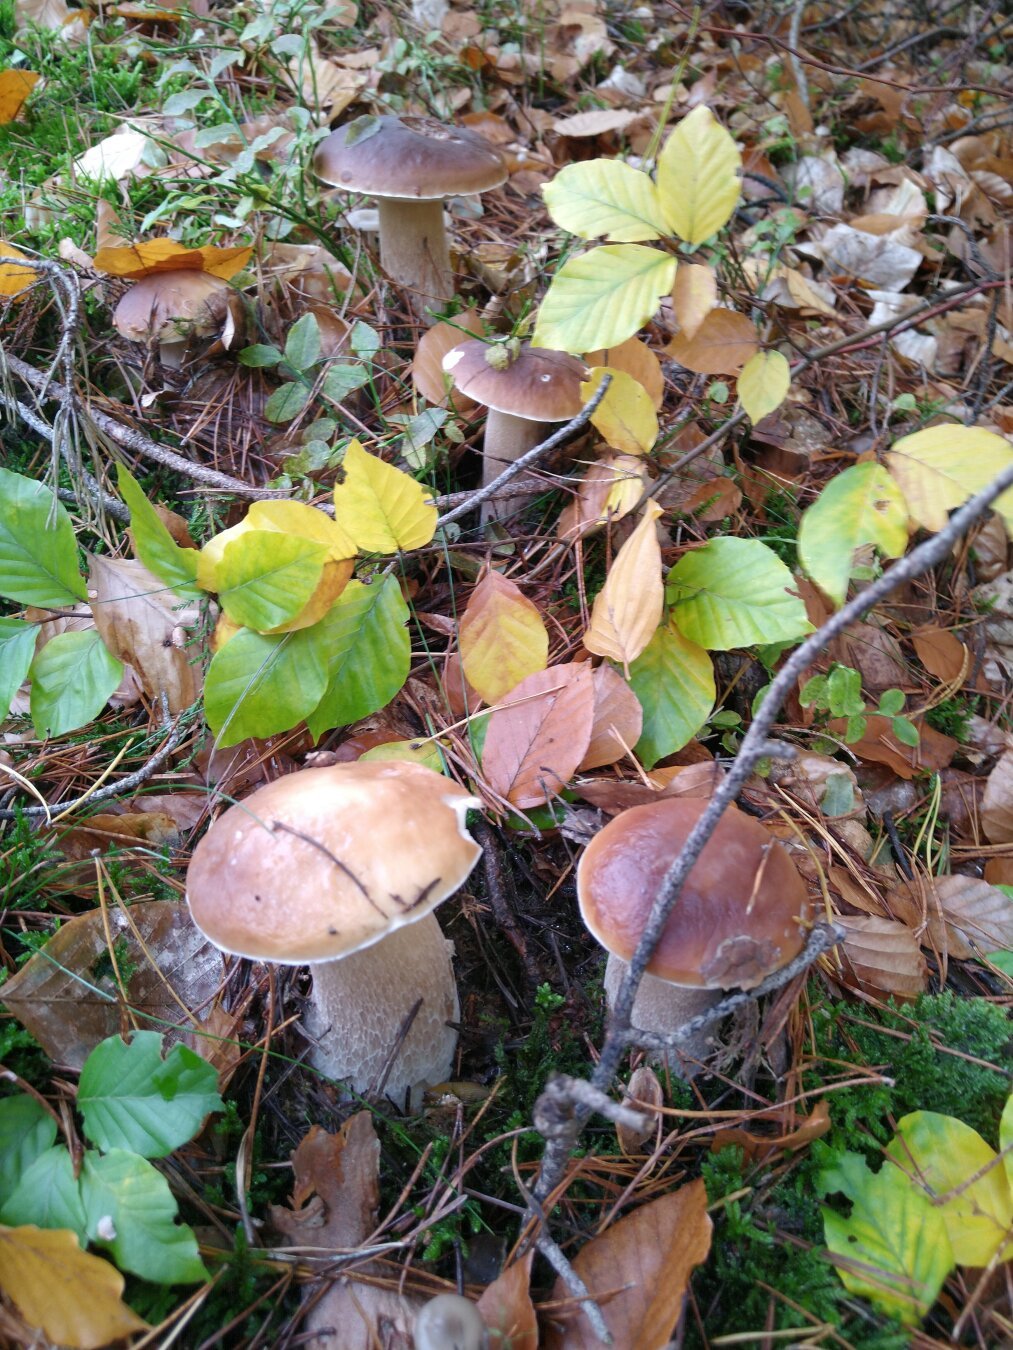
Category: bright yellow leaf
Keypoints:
(381, 507)
(74, 1297)
(166, 255)
(628, 608)
(625, 417)
(939, 468)
(698, 176)
(600, 298)
(606, 197)
(764, 382)
(15, 86)
(14, 278)
(294, 518)
(502, 636)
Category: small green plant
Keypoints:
(839, 694)
(307, 372)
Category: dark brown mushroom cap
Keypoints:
(538, 384)
(412, 157)
(738, 918)
(323, 862)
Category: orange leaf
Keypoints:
(628, 608)
(507, 1309)
(694, 295)
(635, 358)
(14, 277)
(428, 374)
(15, 86)
(539, 734)
(761, 1146)
(166, 255)
(503, 639)
(722, 344)
(618, 719)
(941, 653)
(638, 1271)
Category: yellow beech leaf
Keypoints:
(698, 176)
(609, 490)
(862, 505)
(74, 1297)
(14, 278)
(284, 518)
(763, 384)
(15, 86)
(381, 507)
(606, 197)
(600, 298)
(939, 468)
(625, 416)
(637, 359)
(166, 255)
(503, 638)
(628, 608)
(694, 295)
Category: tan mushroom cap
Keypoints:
(324, 862)
(539, 385)
(167, 305)
(411, 157)
(738, 918)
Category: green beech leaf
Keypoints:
(153, 544)
(17, 647)
(131, 1213)
(47, 1195)
(302, 346)
(862, 505)
(260, 684)
(673, 680)
(368, 653)
(73, 677)
(132, 1098)
(27, 1130)
(38, 552)
(265, 578)
(600, 298)
(606, 197)
(734, 593)
(698, 176)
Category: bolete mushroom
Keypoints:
(449, 1322)
(342, 867)
(739, 917)
(525, 389)
(170, 308)
(411, 165)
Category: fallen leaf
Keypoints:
(635, 358)
(978, 917)
(15, 277)
(760, 1147)
(618, 720)
(879, 744)
(941, 653)
(625, 418)
(644, 1094)
(539, 734)
(628, 608)
(596, 122)
(502, 637)
(383, 509)
(428, 374)
(166, 255)
(997, 803)
(15, 86)
(883, 957)
(721, 345)
(507, 1309)
(694, 295)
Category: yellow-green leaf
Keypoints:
(625, 416)
(502, 637)
(292, 518)
(600, 298)
(698, 176)
(862, 505)
(261, 684)
(1006, 1138)
(606, 197)
(941, 1155)
(628, 607)
(735, 593)
(939, 468)
(426, 753)
(381, 507)
(673, 680)
(763, 384)
(266, 579)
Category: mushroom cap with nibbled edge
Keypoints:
(323, 862)
(416, 158)
(540, 385)
(167, 305)
(739, 916)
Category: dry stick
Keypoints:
(559, 1148)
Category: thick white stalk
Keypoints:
(415, 253)
(662, 1008)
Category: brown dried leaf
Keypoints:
(507, 1309)
(618, 720)
(694, 295)
(997, 803)
(638, 1270)
(643, 1094)
(427, 367)
(502, 637)
(873, 652)
(722, 344)
(941, 653)
(635, 358)
(978, 917)
(934, 750)
(67, 995)
(758, 1147)
(539, 734)
(335, 1188)
(608, 491)
(883, 957)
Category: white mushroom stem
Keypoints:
(506, 439)
(361, 1004)
(415, 253)
(662, 1007)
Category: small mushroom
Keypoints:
(170, 308)
(525, 389)
(411, 165)
(739, 917)
(343, 867)
(449, 1322)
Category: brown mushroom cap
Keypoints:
(410, 157)
(539, 385)
(166, 306)
(738, 917)
(323, 862)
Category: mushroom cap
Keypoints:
(738, 918)
(449, 1322)
(323, 862)
(410, 157)
(167, 305)
(540, 385)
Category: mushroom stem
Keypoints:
(361, 1003)
(414, 251)
(662, 1007)
(507, 437)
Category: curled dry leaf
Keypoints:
(883, 957)
(618, 720)
(638, 1270)
(539, 734)
(934, 751)
(721, 345)
(997, 803)
(609, 490)
(978, 917)
(758, 1147)
(644, 1094)
(507, 1309)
